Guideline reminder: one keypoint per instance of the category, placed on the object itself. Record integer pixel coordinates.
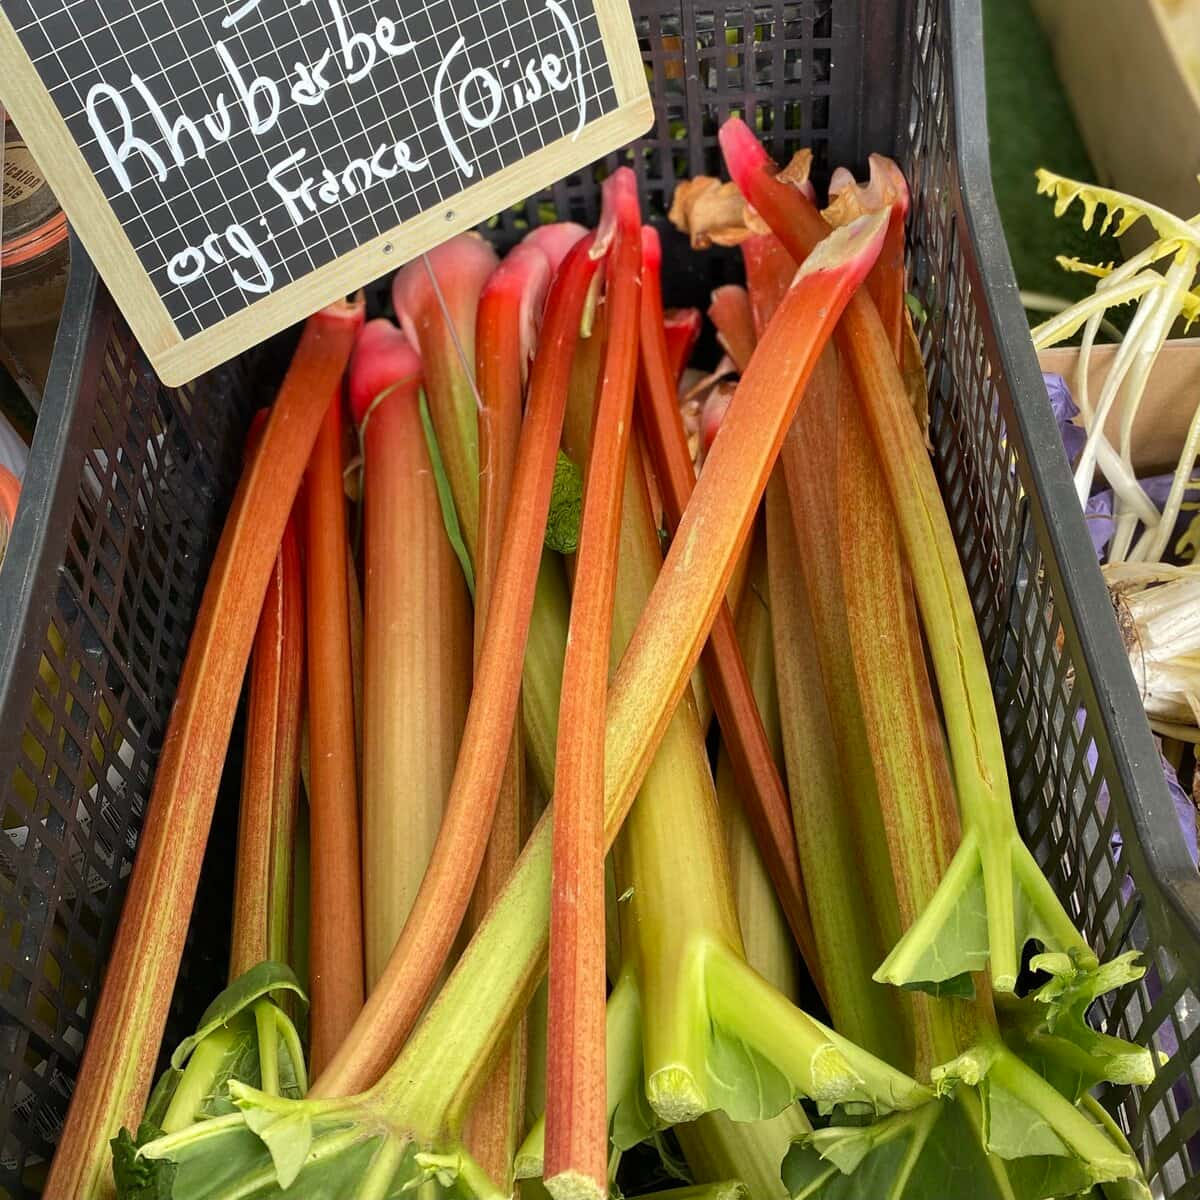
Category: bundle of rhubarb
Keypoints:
(541, 699)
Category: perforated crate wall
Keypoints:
(129, 482)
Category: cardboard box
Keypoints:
(1137, 107)
(1171, 399)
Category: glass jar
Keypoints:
(34, 257)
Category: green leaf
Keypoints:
(1049, 1029)
(953, 934)
(261, 980)
(139, 1178)
(226, 1047)
(1014, 1129)
(352, 1152)
(934, 1151)
(957, 987)
(286, 1129)
(566, 507)
(445, 497)
(633, 1120)
(743, 1083)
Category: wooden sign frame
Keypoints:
(179, 360)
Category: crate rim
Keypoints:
(1129, 756)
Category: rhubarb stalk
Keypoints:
(715, 1146)
(461, 267)
(509, 310)
(731, 314)
(335, 923)
(417, 639)
(707, 1031)
(128, 1023)
(763, 795)
(576, 1121)
(992, 867)
(262, 906)
(10, 494)
(406, 1128)
(421, 951)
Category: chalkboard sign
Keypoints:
(233, 165)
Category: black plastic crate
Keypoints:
(128, 484)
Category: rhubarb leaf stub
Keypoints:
(566, 506)
(139, 1178)
(261, 980)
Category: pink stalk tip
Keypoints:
(715, 408)
(851, 250)
(383, 357)
(886, 186)
(743, 152)
(522, 279)
(555, 241)
(651, 250)
(461, 264)
(618, 202)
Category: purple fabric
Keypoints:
(1098, 510)
(1073, 436)
(1101, 526)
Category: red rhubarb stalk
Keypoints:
(1019, 901)
(509, 309)
(262, 906)
(446, 349)
(335, 922)
(417, 639)
(127, 1027)
(576, 1162)
(681, 327)
(576, 1115)
(418, 957)
(716, 523)
(10, 494)
(731, 313)
(763, 794)
(886, 189)
(769, 273)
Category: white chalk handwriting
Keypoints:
(145, 132)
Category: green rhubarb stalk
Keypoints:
(424, 944)
(770, 949)
(576, 1123)
(127, 1026)
(461, 267)
(509, 310)
(1008, 1133)
(417, 639)
(406, 1128)
(993, 899)
(850, 942)
(335, 924)
(763, 795)
(715, 1146)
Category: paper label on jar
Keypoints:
(22, 178)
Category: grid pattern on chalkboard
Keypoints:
(214, 108)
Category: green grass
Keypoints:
(1030, 125)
